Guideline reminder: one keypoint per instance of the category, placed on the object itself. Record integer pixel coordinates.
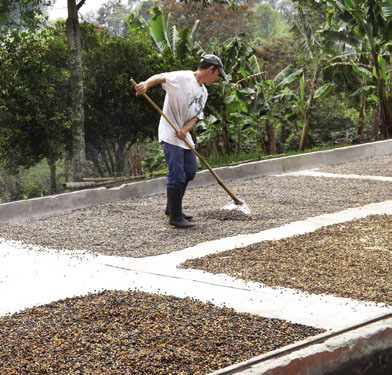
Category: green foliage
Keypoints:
(267, 22)
(33, 99)
(21, 14)
(366, 26)
(333, 122)
(166, 37)
(114, 117)
(276, 53)
(155, 159)
(29, 183)
(112, 15)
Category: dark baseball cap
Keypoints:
(216, 61)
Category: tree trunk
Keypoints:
(386, 128)
(264, 145)
(94, 159)
(239, 134)
(16, 191)
(304, 136)
(53, 182)
(386, 117)
(361, 121)
(226, 141)
(271, 137)
(375, 127)
(77, 113)
(67, 166)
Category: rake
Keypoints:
(236, 205)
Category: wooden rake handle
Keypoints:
(220, 182)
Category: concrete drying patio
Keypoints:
(31, 275)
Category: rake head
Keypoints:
(237, 206)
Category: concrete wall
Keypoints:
(45, 206)
(366, 350)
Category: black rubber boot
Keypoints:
(174, 199)
(186, 215)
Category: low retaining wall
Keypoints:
(45, 206)
(365, 350)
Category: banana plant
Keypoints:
(297, 101)
(167, 39)
(237, 58)
(263, 101)
(367, 27)
(318, 52)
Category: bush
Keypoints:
(154, 159)
(334, 122)
(29, 183)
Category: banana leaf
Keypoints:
(363, 72)
(368, 89)
(302, 90)
(323, 91)
(195, 27)
(157, 23)
(383, 68)
(341, 36)
(283, 74)
(387, 8)
(173, 39)
(293, 77)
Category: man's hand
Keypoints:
(141, 88)
(181, 134)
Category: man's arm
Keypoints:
(187, 128)
(154, 80)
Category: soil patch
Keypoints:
(347, 260)
(136, 333)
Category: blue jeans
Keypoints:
(182, 165)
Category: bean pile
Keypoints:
(138, 227)
(381, 166)
(347, 260)
(131, 332)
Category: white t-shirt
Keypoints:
(184, 99)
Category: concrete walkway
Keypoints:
(32, 276)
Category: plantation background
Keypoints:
(304, 75)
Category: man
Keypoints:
(185, 99)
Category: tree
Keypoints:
(22, 13)
(318, 53)
(115, 118)
(366, 26)
(76, 80)
(235, 54)
(112, 15)
(266, 22)
(219, 22)
(168, 40)
(34, 122)
(263, 100)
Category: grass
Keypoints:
(233, 159)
